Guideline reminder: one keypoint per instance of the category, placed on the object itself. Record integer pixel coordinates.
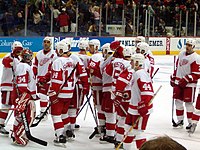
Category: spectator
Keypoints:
(129, 28)
(8, 23)
(63, 21)
(36, 17)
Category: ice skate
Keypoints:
(70, 135)
(179, 124)
(60, 141)
(192, 129)
(3, 130)
(107, 139)
(188, 127)
(77, 126)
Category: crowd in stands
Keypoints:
(166, 13)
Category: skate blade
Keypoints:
(60, 145)
(104, 142)
(179, 127)
(71, 139)
(3, 134)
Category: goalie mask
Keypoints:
(16, 48)
(137, 61)
(27, 56)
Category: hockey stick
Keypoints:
(46, 110)
(173, 122)
(28, 133)
(155, 73)
(135, 123)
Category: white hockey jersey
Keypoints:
(42, 62)
(96, 76)
(25, 79)
(187, 65)
(142, 90)
(7, 79)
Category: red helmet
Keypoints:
(27, 56)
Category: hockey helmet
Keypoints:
(114, 45)
(47, 38)
(16, 48)
(138, 60)
(83, 45)
(142, 48)
(96, 43)
(191, 42)
(127, 52)
(140, 39)
(62, 48)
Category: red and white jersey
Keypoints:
(84, 58)
(187, 65)
(62, 67)
(115, 68)
(150, 57)
(7, 74)
(96, 76)
(142, 90)
(81, 69)
(42, 62)
(25, 79)
(106, 79)
(123, 83)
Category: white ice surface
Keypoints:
(159, 123)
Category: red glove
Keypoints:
(52, 96)
(172, 81)
(142, 108)
(7, 62)
(118, 98)
(184, 81)
(42, 80)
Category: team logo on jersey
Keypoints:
(183, 62)
(44, 61)
(68, 65)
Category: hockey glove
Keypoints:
(52, 96)
(172, 81)
(7, 62)
(184, 81)
(118, 98)
(142, 108)
(42, 81)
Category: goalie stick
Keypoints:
(28, 132)
(45, 112)
(135, 123)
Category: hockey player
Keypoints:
(140, 105)
(94, 46)
(143, 48)
(195, 115)
(9, 62)
(41, 65)
(64, 76)
(123, 96)
(107, 104)
(26, 91)
(184, 81)
(113, 70)
(96, 83)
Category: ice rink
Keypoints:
(159, 123)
